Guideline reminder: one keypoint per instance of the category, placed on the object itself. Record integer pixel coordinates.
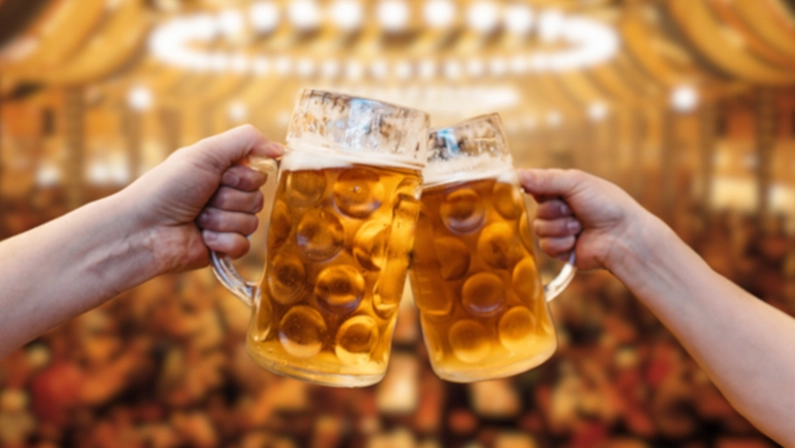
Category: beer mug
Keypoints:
(482, 305)
(341, 229)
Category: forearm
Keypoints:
(68, 266)
(742, 343)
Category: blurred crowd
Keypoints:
(164, 366)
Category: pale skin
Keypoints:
(743, 344)
(203, 198)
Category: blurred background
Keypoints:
(687, 104)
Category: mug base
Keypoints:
(492, 372)
(312, 376)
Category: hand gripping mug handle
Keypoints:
(224, 270)
(564, 278)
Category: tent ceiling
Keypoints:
(713, 45)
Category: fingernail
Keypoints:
(202, 217)
(564, 209)
(210, 236)
(276, 149)
(525, 177)
(574, 226)
(230, 179)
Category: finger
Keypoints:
(553, 209)
(243, 178)
(224, 150)
(557, 246)
(233, 245)
(222, 221)
(233, 200)
(557, 227)
(553, 182)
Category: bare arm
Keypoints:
(743, 344)
(165, 222)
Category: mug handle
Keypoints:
(222, 266)
(564, 278)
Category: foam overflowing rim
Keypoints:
(304, 156)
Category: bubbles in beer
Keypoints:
(302, 331)
(305, 187)
(358, 192)
(517, 328)
(280, 226)
(286, 278)
(483, 294)
(453, 256)
(356, 339)
(340, 287)
(369, 244)
(320, 235)
(498, 246)
(507, 200)
(263, 314)
(463, 211)
(525, 280)
(469, 341)
(524, 233)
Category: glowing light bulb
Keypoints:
(393, 15)
(230, 22)
(305, 68)
(379, 69)
(284, 65)
(439, 13)
(551, 25)
(304, 14)
(261, 65)
(403, 70)
(354, 70)
(427, 69)
(238, 112)
(476, 68)
(684, 99)
(140, 98)
(483, 16)
(330, 68)
(597, 111)
(264, 16)
(347, 14)
(554, 119)
(452, 70)
(519, 19)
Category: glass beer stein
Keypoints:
(482, 305)
(341, 228)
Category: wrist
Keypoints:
(131, 240)
(638, 245)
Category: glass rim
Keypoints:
(490, 117)
(309, 92)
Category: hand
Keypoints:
(202, 197)
(581, 212)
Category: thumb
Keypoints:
(551, 182)
(225, 149)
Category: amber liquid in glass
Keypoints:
(475, 281)
(338, 248)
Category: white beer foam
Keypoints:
(306, 157)
(465, 169)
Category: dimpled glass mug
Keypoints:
(341, 228)
(483, 307)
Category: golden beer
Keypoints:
(341, 229)
(482, 304)
(337, 258)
